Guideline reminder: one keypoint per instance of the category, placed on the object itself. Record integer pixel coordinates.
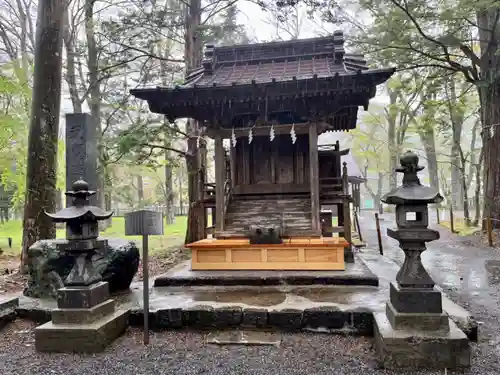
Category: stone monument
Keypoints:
(47, 266)
(85, 319)
(81, 151)
(414, 331)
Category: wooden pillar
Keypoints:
(314, 176)
(220, 171)
(232, 156)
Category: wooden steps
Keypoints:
(243, 234)
(291, 213)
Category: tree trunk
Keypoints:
(491, 139)
(59, 199)
(194, 208)
(463, 181)
(375, 195)
(392, 140)
(140, 191)
(181, 191)
(489, 96)
(41, 168)
(192, 54)
(477, 193)
(169, 191)
(429, 142)
(70, 65)
(457, 120)
(380, 187)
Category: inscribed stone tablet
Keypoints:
(81, 152)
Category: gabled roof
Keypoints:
(303, 68)
(277, 61)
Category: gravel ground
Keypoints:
(182, 353)
(186, 353)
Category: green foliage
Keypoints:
(369, 143)
(14, 104)
(173, 235)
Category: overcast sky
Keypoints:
(259, 26)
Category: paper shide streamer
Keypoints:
(233, 138)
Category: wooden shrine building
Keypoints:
(271, 101)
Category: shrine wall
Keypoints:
(271, 167)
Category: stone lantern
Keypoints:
(85, 319)
(412, 219)
(414, 331)
(82, 230)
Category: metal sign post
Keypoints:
(144, 223)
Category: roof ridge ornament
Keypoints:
(338, 46)
(208, 60)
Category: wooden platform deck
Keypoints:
(324, 253)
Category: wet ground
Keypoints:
(470, 276)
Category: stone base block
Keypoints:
(415, 300)
(84, 297)
(423, 322)
(81, 338)
(348, 255)
(83, 316)
(420, 349)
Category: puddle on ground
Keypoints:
(340, 296)
(244, 338)
(248, 297)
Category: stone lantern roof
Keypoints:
(411, 191)
(81, 208)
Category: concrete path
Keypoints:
(467, 274)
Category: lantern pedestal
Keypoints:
(85, 321)
(414, 332)
(413, 347)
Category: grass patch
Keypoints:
(173, 235)
(460, 228)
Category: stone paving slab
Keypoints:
(181, 275)
(345, 309)
(8, 307)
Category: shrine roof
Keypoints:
(276, 61)
(261, 64)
